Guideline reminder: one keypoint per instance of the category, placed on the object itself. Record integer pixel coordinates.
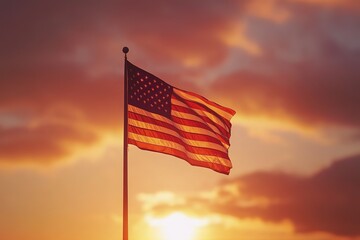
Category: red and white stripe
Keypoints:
(198, 131)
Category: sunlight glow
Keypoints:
(177, 226)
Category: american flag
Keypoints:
(165, 119)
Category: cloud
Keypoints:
(48, 114)
(307, 73)
(325, 202)
(349, 4)
(44, 143)
(304, 94)
(271, 10)
(169, 31)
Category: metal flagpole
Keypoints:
(125, 151)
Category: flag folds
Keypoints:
(165, 119)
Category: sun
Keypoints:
(177, 226)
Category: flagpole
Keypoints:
(125, 151)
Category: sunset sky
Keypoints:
(289, 68)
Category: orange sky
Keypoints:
(288, 67)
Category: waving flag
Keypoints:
(165, 119)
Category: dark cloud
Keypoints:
(325, 202)
(65, 90)
(44, 144)
(302, 93)
(348, 4)
(308, 73)
(53, 111)
(166, 30)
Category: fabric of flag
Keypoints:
(165, 119)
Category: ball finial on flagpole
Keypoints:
(125, 50)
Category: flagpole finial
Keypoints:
(125, 50)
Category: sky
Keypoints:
(289, 68)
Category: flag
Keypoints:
(166, 119)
